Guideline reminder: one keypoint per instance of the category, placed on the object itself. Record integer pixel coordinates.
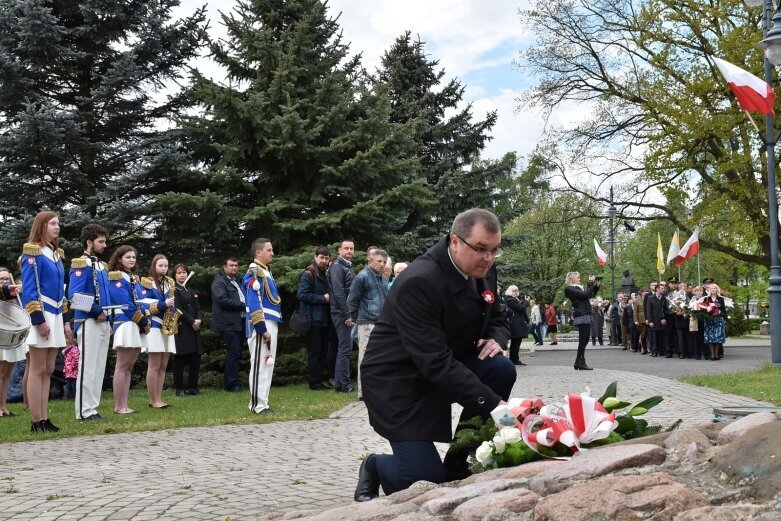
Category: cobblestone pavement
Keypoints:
(244, 471)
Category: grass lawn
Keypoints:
(761, 384)
(211, 407)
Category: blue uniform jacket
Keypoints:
(262, 298)
(121, 294)
(83, 275)
(149, 290)
(51, 277)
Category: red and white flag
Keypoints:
(690, 249)
(752, 92)
(601, 255)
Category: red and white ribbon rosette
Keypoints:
(581, 420)
(515, 411)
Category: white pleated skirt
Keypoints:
(13, 355)
(127, 335)
(156, 342)
(56, 338)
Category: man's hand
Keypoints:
(197, 324)
(267, 339)
(488, 348)
(349, 322)
(650, 324)
(664, 321)
(102, 317)
(326, 298)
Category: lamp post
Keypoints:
(772, 46)
(611, 212)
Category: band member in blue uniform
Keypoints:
(89, 276)
(159, 343)
(43, 296)
(263, 318)
(129, 324)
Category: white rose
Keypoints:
(499, 443)
(511, 435)
(484, 453)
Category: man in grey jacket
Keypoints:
(340, 278)
(367, 296)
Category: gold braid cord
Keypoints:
(272, 299)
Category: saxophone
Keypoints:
(171, 316)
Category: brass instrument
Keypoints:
(172, 316)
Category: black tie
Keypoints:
(472, 283)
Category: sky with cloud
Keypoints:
(475, 41)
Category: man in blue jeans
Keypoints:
(228, 312)
(340, 278)
(439, 340)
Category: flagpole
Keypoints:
(699, 277)
(753, 123)
(774, 290)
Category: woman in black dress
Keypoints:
(189, 346)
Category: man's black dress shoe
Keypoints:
(92, 417)
(181, 393)
(368, 486)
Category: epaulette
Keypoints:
(61, 253)
(31, 249)
(115, 275)
(147, 283)
(80, 262)
(105, 266)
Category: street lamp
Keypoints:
(772, 46)
(611, 212)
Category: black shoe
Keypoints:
(236, 389)
(317, 387)
(553, 344)
(518, 362)
(181, 393)
(92, 417)
(368, 486)
(193, 392)
(669, 356)
(36, 427)
(48, 426)
(580, 365)
(348, 389)
(328, 385)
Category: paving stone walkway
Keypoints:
(243, 471)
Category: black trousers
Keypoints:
(584, 332)
(413, 461)
(515, 348)
(192, 362)
(233, 339)
(684, 348)
(319, 338)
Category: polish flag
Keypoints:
(601, 255)
(690, 249)
(752, 92)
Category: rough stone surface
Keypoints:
(711, 429)
(417, 489)
(457, 496)
(654, 439)
(742, 512)
(656, 496)
(596, 462)
(430, 495)
(532, 469)
(681, 439)
(377, 510)
(754, 459)
(499, 505)
(743, 425)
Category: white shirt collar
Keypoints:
(454, 265)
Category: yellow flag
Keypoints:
(659, 255)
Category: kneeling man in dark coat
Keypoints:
(439, 340)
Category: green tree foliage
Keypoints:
(87, 90)
(658, 119)
(294, 144)
(448, 141)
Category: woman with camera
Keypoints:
(581, 311)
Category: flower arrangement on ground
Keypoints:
(525, 430)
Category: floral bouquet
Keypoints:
(527, 429)
(678, 304)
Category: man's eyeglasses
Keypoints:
(496, 252)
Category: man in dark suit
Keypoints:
(440, 339)
(655, 315)
(228, 312)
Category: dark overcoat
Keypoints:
(656, 311)
(188, 341)
(412, 370)
(519, 323)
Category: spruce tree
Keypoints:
(294, 144)
(448, 142)
(87, 94)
